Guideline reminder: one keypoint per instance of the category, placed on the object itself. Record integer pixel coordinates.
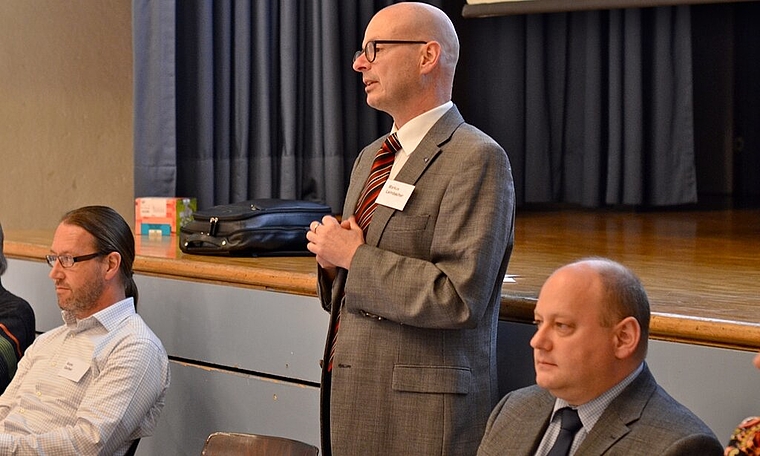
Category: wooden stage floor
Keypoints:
(703, 263)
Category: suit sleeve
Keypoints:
(701, 444)
(329, 289)
(324, 287)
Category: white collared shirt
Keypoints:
(89, 386)
(411, 134)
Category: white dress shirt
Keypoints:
(412, 133)
(88, 387)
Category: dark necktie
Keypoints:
(381, 169)
(571, 424)
(365, 207)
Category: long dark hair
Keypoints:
(112, 234)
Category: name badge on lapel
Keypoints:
(395, 194)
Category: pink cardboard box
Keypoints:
(160, 216)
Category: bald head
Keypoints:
(623, 293)
(413, 52)
(426, 22)
(591, 323)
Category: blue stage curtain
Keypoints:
(238, 99)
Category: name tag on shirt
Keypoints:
(74, 369)
(395, 194)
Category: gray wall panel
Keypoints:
(261, 331)
(717, 384)
(201, 401)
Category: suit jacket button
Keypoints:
(369, 315)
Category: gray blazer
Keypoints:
(415, 364)
(643, 420)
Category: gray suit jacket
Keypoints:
(415, 364)
(642, 421)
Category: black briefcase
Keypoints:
(259, 227)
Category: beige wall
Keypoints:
(65, 109)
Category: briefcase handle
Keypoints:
(198, 239)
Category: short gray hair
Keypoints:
(626, 296)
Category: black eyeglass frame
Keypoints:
(373, 45)
(51, 259)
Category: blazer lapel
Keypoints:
(537, 412)
(623, 410)
(418, 162)
(430, 146)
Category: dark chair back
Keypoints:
(132, 448)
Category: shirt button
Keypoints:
(38, 394)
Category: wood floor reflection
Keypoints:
(701, 263)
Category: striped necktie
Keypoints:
(381, 169)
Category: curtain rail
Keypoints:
(515, 7)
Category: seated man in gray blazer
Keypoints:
(592, 320)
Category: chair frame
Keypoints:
(237, 443)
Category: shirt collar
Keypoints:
(109, 317)
(591, 411)
(411, 134)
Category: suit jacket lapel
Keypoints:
(622, 411)
(423, 156)
(537, 411)
(430, 146)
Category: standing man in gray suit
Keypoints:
(592, 320)
(413, 281)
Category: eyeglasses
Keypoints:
(68, 261)
(370, 49)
